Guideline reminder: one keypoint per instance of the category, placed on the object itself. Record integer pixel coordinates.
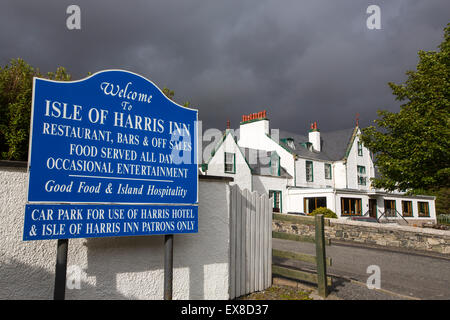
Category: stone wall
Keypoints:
(387, 235)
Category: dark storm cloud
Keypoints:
(301, 60)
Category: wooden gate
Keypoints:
(319, 259)
(251, 242)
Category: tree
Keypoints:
(412, 147)
(16, 85)
(170, 93)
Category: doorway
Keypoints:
(373, 208)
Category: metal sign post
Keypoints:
(168, 266)
(60, 269)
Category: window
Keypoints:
(275, 165)
(309, 171)
(311, 204)
(407, 208)
(361, 175)
(328, 171)
(389, 208)
(424, 209)
(230, 165)
(360, 149)
(276, 200)
(351, 206)
(290, 143)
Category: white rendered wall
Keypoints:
(262, 184)
(254, 135)
(354, 160)
(314, 138)
(119, 267)
(415, 206)
(216, 165)
(319, 180)
(340, 175)
(296, 198)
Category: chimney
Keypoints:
(228, 124)
(253, 130)
(314, 137)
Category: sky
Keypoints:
(302, 61)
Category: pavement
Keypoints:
(404, 275)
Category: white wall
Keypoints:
(120, 267)
(319, 180)
(296, 197)
(364, 202)
(262, 184)
(216, 166)
(415, 208)
(354, 160)
(254, 135)
(340, 175)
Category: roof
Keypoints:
(259, 162)
(334, 144)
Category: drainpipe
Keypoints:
(295, 172)
(346, 175)
(335, 203)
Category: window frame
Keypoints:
(410, 208)
(362, 179)
(277, 195)
(278, 171)
(427, 206)
(394, 208)
(312, 171)
(305, 199)
(225, 162)
(358, 208)
(360, 149)
(328, 165)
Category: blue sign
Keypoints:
(112, 138)
(63, 221)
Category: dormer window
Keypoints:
(275, 165)
(309, 171)
(290, 143)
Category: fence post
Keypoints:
(320, 256)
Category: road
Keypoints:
(403, 274)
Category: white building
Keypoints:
(330, 169)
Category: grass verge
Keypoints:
(277, 292)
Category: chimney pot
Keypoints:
(314, 137)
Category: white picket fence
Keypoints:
(251, 242)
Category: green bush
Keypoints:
(327, 213)
(16, 88)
